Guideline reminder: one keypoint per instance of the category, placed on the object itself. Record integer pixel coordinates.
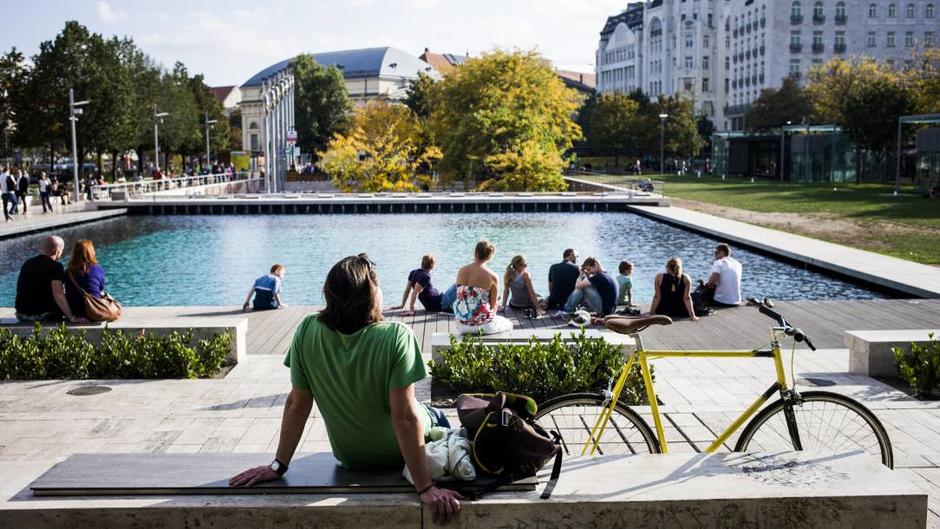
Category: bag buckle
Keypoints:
(505, 417)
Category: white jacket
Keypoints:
(448, 456)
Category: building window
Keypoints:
(704, 84)
(688, 63)
(872, 11)
(253, 141)
(795, 39)
(910, 10)
(689, 41)
(890, 41)
(928, 11)
(727, 63)
(871, 39)
(705, 62)
(818, 11)
(795, 67)
(840, 41)
(909, 39)
(928, 39)
(705, 41)
(796, 11)
(892, 10)
(840, 12)
(817, 39)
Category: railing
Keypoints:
(737, 109)
(818, 47)
(796, 19)
(796, 46)
(629, 184)
(839, 47)
(819, 19)
(146, 187)
(841, 20)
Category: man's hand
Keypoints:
(443, 503)
(253, 476)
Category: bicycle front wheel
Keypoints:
(573, 417)
(822, 421)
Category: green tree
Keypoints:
(13, 72)
(382, 151)
(497, 110)
(924, 79)
(208, 104)
(180, 132)
(321, 102)
(613, 124)
(775, 106)
(706, 129)
(146, 82)
(418, 96)
(106, 125)
(861, 96)
(681, 138)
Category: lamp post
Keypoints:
(75, 111)
(157, 119)
(208, 123)
(783, 131)
(662, 136)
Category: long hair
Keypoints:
(511, 269)
(350, 290)
(83, 255)
(674, 266)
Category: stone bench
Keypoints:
(677, 491)
(870, 351)
(203, 329)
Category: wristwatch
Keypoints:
(278, 467)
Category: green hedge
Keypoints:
(920, 367)
(62, 354)
(540, 370)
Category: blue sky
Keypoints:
(229, 41)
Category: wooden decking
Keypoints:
(739, 328)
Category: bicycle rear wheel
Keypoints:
(573, 417)
(822, 421)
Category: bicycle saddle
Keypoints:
(622, 325)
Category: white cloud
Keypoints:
(107, 14)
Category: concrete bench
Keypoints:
(870, 351)
(677, 491)
(203, 329)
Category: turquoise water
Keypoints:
(213, 260)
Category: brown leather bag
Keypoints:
(104, 308)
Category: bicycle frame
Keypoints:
(644, 357)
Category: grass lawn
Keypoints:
(865, 216)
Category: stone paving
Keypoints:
(241, 413)
(61, 216)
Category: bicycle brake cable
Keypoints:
(792, 365)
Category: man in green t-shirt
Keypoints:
(361, 371)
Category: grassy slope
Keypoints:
(906, 226)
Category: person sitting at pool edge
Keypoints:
(672, 297)
(724, 281)
(84, 275)
(419, 287)
(476, 304)
(362, 372)
(518, 282)
(561, 279)
(40, 287)
(595, 288)
(625, 284)
(267, 290)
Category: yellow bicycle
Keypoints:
(590, 423)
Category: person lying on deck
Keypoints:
(362, 372)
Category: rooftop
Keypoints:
(364, 62)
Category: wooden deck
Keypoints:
(739, 328)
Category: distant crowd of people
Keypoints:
(14, 189)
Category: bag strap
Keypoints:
(556, 471)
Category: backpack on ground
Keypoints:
(506, 442)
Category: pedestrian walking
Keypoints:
(45, 191)
(5, 183)
(22, 189)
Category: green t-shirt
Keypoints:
(350, 376)
(625, 283)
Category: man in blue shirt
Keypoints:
(595, 288)
(267, 290)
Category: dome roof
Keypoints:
(365, 62)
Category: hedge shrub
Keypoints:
(540, 370)
(920, 367)
(62, 354)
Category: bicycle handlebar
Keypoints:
(789, 330)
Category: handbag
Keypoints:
(105, 308)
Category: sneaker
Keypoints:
(561, 314)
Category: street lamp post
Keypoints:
(157, 119)
(662, 137)
(783, 130)
(208, 123)
(75, 111)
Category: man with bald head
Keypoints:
(40, 287)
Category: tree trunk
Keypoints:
(100, 169)
(140, 159)
(114, 166)
(858, 165)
